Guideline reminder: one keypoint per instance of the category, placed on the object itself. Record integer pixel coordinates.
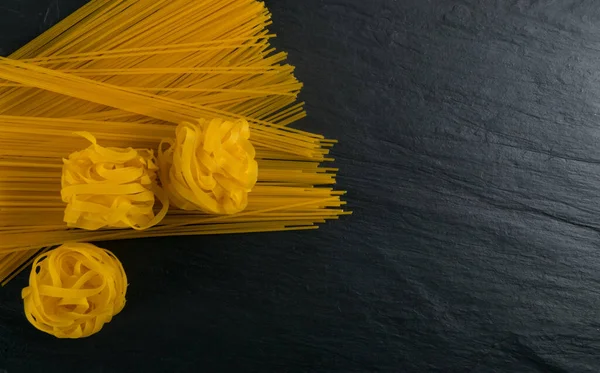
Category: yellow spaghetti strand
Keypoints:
(74, 290)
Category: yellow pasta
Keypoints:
(129, 72)
(111, 187)
(74, 290)
(209, 166)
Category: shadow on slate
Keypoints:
(469, 146)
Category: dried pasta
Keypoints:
(129, 72)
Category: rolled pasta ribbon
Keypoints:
(111, 188)
(74, 290)
(209, 166)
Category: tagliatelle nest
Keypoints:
(74, 290)
(209, 166)
(111, 187)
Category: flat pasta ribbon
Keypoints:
(209, 166)
(74, 290)
(111, 187)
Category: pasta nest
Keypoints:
(209, 166)
(74, 290)
(111, 187)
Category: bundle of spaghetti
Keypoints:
(211, 53)
(129, 71)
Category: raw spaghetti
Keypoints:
(129, 72)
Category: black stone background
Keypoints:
(469, 147)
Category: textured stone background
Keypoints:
(469, 146)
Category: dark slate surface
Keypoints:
(469, 146)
